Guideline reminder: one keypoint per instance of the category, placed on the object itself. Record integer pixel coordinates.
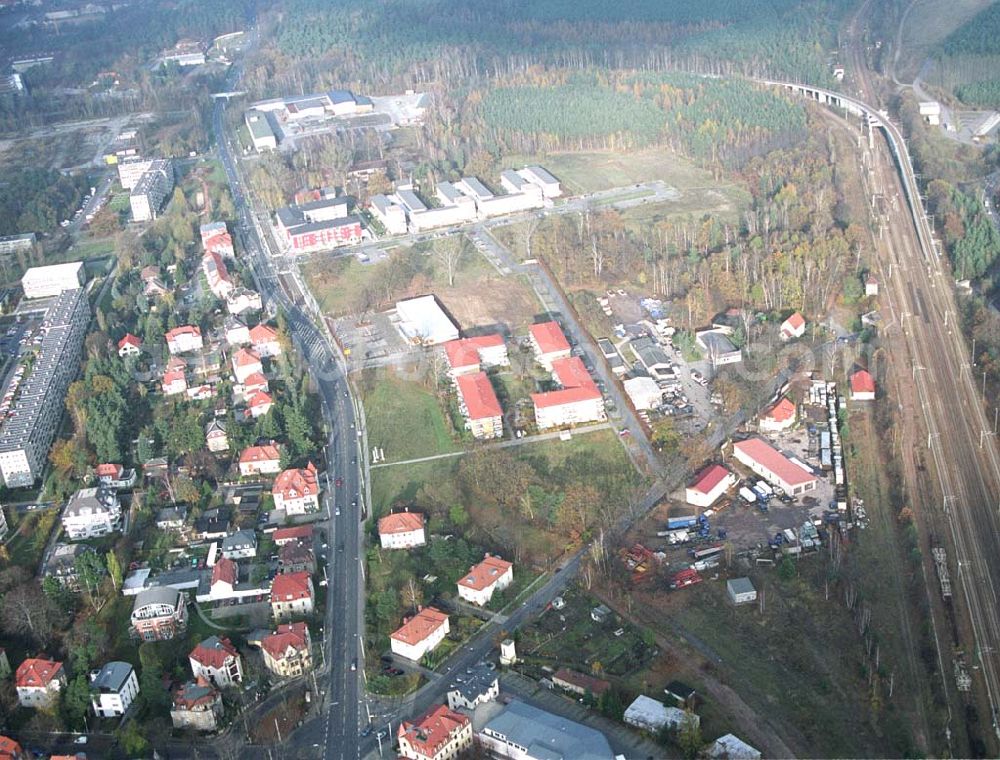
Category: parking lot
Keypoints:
(372, 338)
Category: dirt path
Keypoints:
(753, 727)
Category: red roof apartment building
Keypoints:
(218, 661)
(549, 343)
(479, 404)
(297, 490)
(402, 530)
(291, 595)
(469, 355)
(420, 634)
(439, 734)
(579, 399)
(492, 574)
(288, 651)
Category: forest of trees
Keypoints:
(980, 35)
(36, 200)
(970, 236)
(983, 93)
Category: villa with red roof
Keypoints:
(260, 460)
(185, 338)
(259, 404)
(793, 477)
(402, 530)
(284, 536)
(780, 416)
(292, 595)
(862, 386)
(478, 402)
(708, 485)
(254, 383)
(130, 345)
(174, 382)
(225, 575)
(11, 750)
(246, 363)
(439, 734)
(265, 340)
(217, 661)
(469, 355)
(579, 400)
(420, 634)
(288, 651)
(549, 343)
(217, 275)
(793, 327)
(39, 682)
(297, 490)
(198, 705)
(492, 574)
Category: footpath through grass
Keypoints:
(406, 419)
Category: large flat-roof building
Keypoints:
(524, 732)
(26, 436)
(317, 226)
(422, 321)
(53, 279)
(389, 213)
(538, 176)
(765, 460)
(151, 190)
(261, 133)
(17, 243)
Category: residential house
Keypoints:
(292, 595)
(225, 576)
(215, 436)
(284, 536)
(11, 750)
(793, 327)
(288, 651)
(174, 382)
(38, 682)
(255, 383)
(491, 575)
(469, 355)
(92, 512)
(260, 460)
(245, 363)
(265, 340)
(402, 530)
(296, 557)
(115, 476)
(154, 288)
(237, 333)
(171, 518)
(130, 345)
(871, 285)
(218, 661)
(198, 705)
(259, 404)
(439, 734)
(213, 524)
(549, 343)
(183, 339)
(478, 687)
(215, 238)
(296, 491)
(478, 402)
(113, 688)
(420, 634)
(778, 417)
(862, 386)
(578, 401)
(200, 392)
(217, 275)
(239, 545)
(242, 299)
(579, 683)
(159, 613)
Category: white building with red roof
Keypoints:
(793, 327)
(420, 634)
(174, 382)
(225, 576)
(296, 490)
(260, 460)
(259, 404)
(217, 661)
(491, 575)
(254, 383)
(246, 362)
(217, 275)
(792, 476)
(778, 417)
(549, 343)
(709, 485)
(470, 355)
(292, 595)
(478, 402)
(130, 345)
(183, 339)
(288, 651)
(579, 400)
(215, 237)
(862, 386)
(439, 734)
(39, 682)
(402, 530)
(264, 340)
(284, 536)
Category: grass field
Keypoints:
(587, 172)
(406, 419)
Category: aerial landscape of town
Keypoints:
(529, 379)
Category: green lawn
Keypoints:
(406, 419)
(119, 202)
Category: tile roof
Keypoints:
(129, 340)
(480, 399)
(267, 453)
(213, 652)
(245, 358)
(486, 573)
(296, 483)
(432, 731)
(862, 382)
(259, 398)
(225, 571)
(291, 587)
(288, 534)
(464, 352)
(401, 522)
(782, 411)
(37, 673)
(549, 337)
(262, 334)
(420, 626)
(577, 384)
(795, 321)
(595, 686)
(288, 636)
(195, 694)
(182, 330)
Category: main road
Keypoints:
(343, 625)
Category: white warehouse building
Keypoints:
(51, 280)
(424, 322)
